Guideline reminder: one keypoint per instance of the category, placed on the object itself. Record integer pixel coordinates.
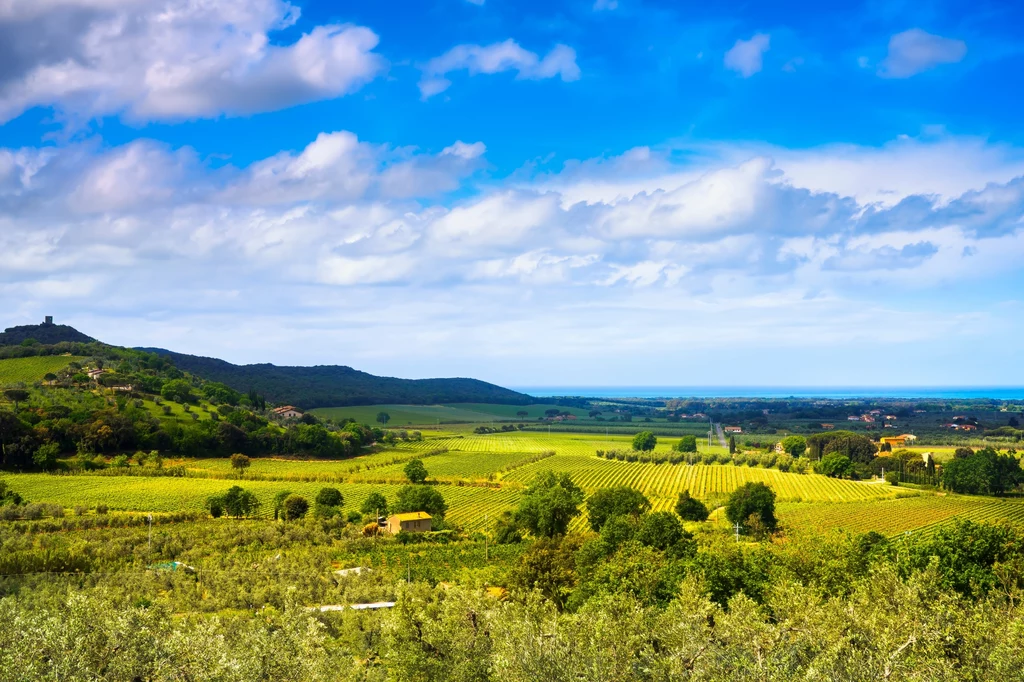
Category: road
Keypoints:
(721, 435)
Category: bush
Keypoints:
(101, 509)
(330, 497)
(415, 471)
(690, 508)
(892, 477)
(687, 444)
(295, 507)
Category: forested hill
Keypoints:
(335, 385)
(46, 334)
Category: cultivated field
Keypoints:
(28, 370)
(482, 475)
(426, 415)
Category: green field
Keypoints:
(426, 415)
(483, 475)
(28, 370)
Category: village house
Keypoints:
(828, 427)
(411, 522)
(733, 429)
(286, 412)
(95, 374)
(853, 418)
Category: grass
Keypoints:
(406, 415)
(29, 370)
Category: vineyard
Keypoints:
(920, 513)
(468, 505)
(28, 370)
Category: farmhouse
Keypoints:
(286, 412)
(733, 429)
(412, 522)
(828, 427)
(95, 374)
(894, 441)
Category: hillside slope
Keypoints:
(46, 334)
(337, 385)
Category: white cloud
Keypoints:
(601, 5)
(745, 57)
(744, 245)
(496, 58)
(173, 59)
(914, 51)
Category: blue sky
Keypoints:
(557, 193)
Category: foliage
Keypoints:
(690, 508)
(549, 504)
(836, 465)
(794, 446)
(235, 502)
(752, 500)
(687, 444)
(619, 501)
(855, 446)
(644, 441)
(425, 498)
(330, 497)
(240, 462)
(985, 472)
(294, 507)
(375, 503)
(415, 471)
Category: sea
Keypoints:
(821, 392)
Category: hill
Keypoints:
(338, 385)
(46, 333)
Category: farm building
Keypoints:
(733, 429)
(411, 522)
(286, 412)
(828, 427)
(95, 374)
(894, 441)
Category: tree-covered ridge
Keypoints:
(43, 333)
(338, 385)
(115, 401)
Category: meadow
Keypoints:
(427, 415)
(32, 369)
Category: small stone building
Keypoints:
(412, 522)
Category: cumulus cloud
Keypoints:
(496, 58)
(172, 59)
(745, 57)
(914, 51)
(349, 229)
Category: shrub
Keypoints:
(892, 477)
(644, 441)
(101, 509)
(295, 507)
(330, 497)
(690, 508)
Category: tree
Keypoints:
(836, 465)
(522, 414)
(295, 507)
(553, 412)
(962, 453)
(424, 498)
(506, 530)
(732, 444)
(610, 502)
(16, 395)
(240, 463)
(178, 390)
(686, 444)
(594, 413)
(794, 445)
(49, 377)
(549, 504)
(46, 456)
(986, 472)
(279, 499)
(375, 503)
(752, 499)
(238, 502)
(644, 441)
(855, 446)
(415, 471)
(329, 497)
(690, 508)
(663, 531)
(383, 418)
